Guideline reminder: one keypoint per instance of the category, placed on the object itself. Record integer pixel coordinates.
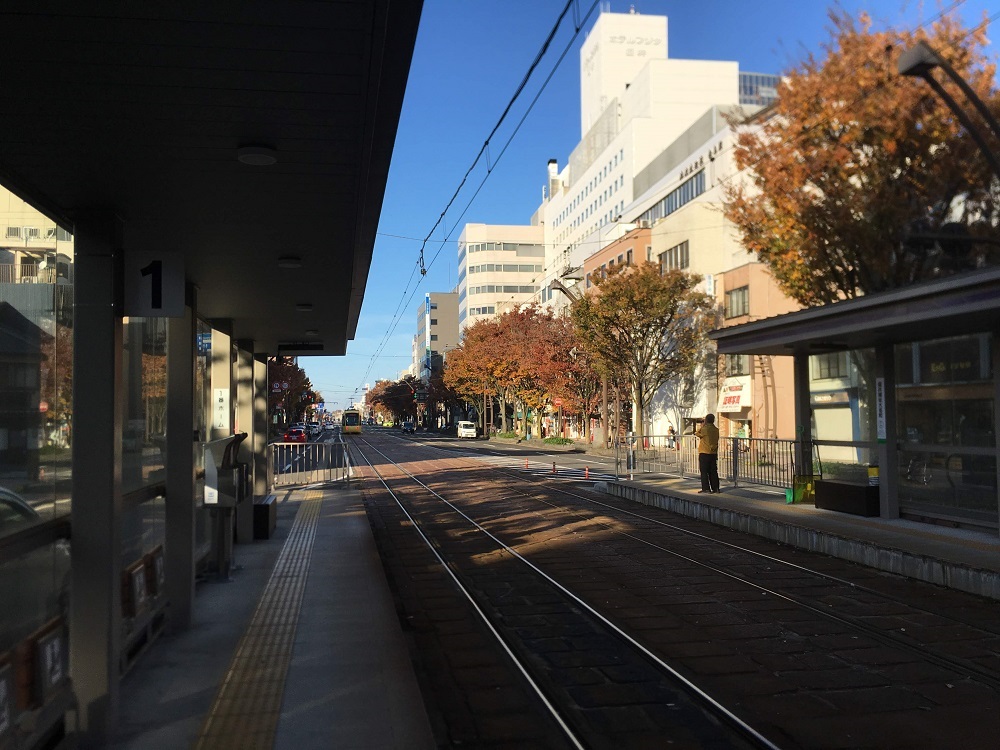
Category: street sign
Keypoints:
(557, 401)
(276, 387)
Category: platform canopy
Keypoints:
(951, 306)
(145, 108)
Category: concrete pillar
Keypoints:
(888, 444)
(96, 607)
(179, 554)
(803, 417)
(260, 426)
(244, 396)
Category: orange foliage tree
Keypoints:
(645, 327)
(856, 172)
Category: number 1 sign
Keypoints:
(154, 285)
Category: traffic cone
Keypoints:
(525, 462)
(586, 472)
(553, 467)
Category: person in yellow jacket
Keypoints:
(708, 454)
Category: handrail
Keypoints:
(34, 537)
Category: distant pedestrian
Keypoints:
(708, 454)
(671, 437)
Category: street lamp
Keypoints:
(920, 60)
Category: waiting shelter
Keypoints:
(927, 359)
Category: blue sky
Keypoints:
(470, 57)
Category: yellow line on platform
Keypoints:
(247, 705)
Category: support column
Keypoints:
(260, 426)
(888, 445)
(96, 607)
(181, 438)
(244, 391)
(803, 416)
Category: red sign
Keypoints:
(557, 401)
(43, 406)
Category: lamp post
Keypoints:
(920, 60)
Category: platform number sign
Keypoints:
(154, 285)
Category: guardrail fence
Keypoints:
(760, 461)
(307, 463)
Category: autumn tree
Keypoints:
(644, 327)
(856, 174)
(478, 366)
(395, 397)
(294, 400)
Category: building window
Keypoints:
(434, 337)
(830, 366)
(737, 364)
(676, 258)
(738, 302)
(434, 321)
(628, 257)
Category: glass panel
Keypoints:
(144, 377)
(36, 353)
(143, 529)
(951, 484)
(946, 418)
(34, 588)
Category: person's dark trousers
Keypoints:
(708, 464)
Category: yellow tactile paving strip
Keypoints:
(246, 708)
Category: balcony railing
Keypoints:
(20, 273)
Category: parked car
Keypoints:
(408, 427)
(466, 429)
(296, 435)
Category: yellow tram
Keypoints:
(351, 422)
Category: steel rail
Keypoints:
(734, 721)
(567, 731)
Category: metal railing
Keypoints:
(21, 273)
(307, 463)
(761, 461)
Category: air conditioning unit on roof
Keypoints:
(645, 223)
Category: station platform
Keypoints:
(303, 649)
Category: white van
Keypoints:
(466, 429)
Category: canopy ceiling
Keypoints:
(141, 108)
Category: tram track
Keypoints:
(878, 665)
(696, 714)
(594, 499)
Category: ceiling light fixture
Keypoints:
(257, 155)
(289, 261)
(312, 332)
(304, 306)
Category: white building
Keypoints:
(634, 102)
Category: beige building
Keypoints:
(437, 332)
(755, 391)
(499, 267)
